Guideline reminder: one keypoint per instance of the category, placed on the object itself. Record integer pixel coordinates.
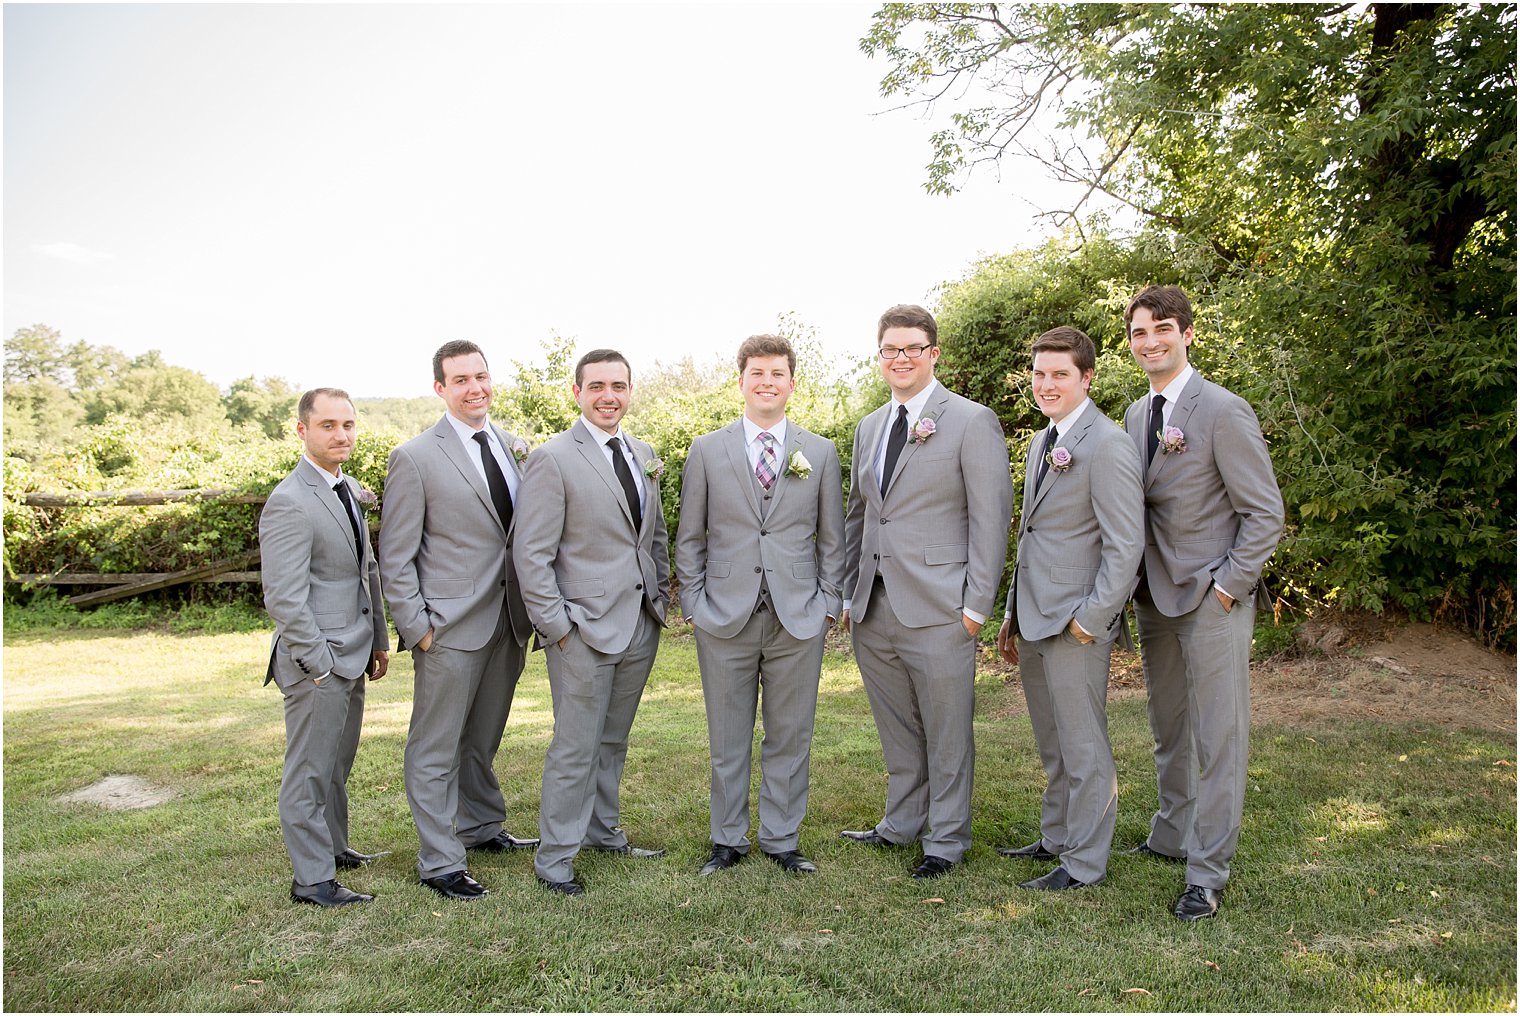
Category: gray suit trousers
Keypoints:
(313, 793)
(921, 685)
(765, 663)
(595, 698)
(460, 705)
(1197, 675)
(1066, 687)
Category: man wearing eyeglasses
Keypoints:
(926, 533)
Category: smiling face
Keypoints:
(1159, 347)
(466, 389)
(766, 383)
(605, 390)
(906, 375)
(1058, 386)
(328, 432)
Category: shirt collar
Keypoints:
(466, 432)
(753, 430)
(331, 482)
(602, 437)
(1064, 427)
(916, 403)
(1173, 391)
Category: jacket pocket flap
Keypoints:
(582, 588)
(1073, 576)
(328, 619)
(719, 569)
(804, 569)
(945, 553)
(444, 589)
(1203, 550)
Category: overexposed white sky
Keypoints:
(327, 193)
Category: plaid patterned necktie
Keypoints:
(765, 469)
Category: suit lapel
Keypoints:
(322, 490)
(793, 445)
(1181, 413)
(1069, 442)
(642, 458)
(738, 457)
(874, 427)
(455, 451)
(596, 457)
(933, 410)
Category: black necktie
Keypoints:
(353, 521)
(625, 477)
(495, 481)
(895, 442)
(1153, 439)
(1050, 444)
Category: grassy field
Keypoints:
(1377, 867)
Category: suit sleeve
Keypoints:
(691, 532)
(285, 542)
(401, 522)
(540, 521)
(831, 538)
(854, 521)
(1118, 502)
(989, 509)
(1240, 454)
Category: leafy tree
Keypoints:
(151, 390)
(270, 404)
(1338, 184)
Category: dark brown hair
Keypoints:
(908, 315)
(449, 350)
(1067, 339)
(601, 356)
(766, 345)
(309, 399)
(1163, 302)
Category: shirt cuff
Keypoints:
(845, 605)
(1081, 629)
(978, 618)
(1226, 592)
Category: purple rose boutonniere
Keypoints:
(367, 501)
(923, 430)
(655, 469)
(1173, 441)
(520, 450)
(1059, 459)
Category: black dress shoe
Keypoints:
(571, 888)
(867, 836)
(504, 841)
(353, 859)
(932, 867)
(1145, 850)
(1197, 903)
(1033, 852)
(722, 857)
(326, 894)
(1055, 880)
(629, 850)
(456, 885)
(794, 862)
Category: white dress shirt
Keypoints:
(467, 435)
(602, 438)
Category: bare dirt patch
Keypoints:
(1360, 669)
(120, 793)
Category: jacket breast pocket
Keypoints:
(719, 569)
(945, 553)
(447, 589)
(1073, 576)
(330, 619)
(582, 589)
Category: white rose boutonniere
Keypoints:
(655, 469)
(799, 466)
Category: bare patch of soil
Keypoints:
(1360, 668)
(120, 793)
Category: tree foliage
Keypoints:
(1337, 184)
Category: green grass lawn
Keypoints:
(1376, 869)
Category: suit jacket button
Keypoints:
(639, 586)
(882, 521)
(875, 557)
(502, 583)
(364, 610)
(757, 569)
(765, 532)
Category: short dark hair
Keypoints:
(766, 345)
(1163, 302)
(449, 350)
(908, 315)
(309, 400)
(1066, 339)
(601, 356)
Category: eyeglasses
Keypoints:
(911, 352)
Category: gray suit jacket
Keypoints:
(940, 536)
(323, 597)
(1213, 512)
(444, 556)
(1081, 534)
(725, 542)
(580, 561)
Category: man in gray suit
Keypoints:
(1075, 571)
(759, 556)
(1213, 517)
(926, 533)
(595, 569)
(446, 559)
(322, 590)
